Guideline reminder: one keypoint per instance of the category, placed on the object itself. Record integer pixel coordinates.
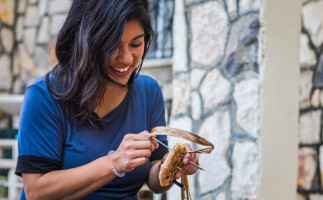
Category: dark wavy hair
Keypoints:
(84, 46)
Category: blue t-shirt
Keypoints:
(49, 141)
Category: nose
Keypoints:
(124, 56)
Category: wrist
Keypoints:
(113, 166)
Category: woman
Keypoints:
(84, 127)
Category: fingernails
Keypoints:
(185, 161)
(179, 175)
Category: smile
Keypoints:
(120, 69)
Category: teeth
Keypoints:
(121, 69)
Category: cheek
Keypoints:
(139, 53)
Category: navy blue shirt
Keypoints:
(49, 141)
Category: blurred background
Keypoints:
(245, 74)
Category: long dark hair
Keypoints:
(89, 37)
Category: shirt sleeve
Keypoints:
(157, 118)
(40, 138)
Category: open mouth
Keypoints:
(120, 69)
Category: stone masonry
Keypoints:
(7, 34)
(38, 22)
(310, 158)
(216, 94)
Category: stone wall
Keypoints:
(7, 22)
(37, 24)
(215, 93)
(7, 34)
(310, 167)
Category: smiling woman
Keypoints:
(85, 49)
(84, 127)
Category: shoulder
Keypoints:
(147, 87)
(145, 82)
(40, 106)
(38, 87)
(39, 94)
(39, 84)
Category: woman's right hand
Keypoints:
(134, 150)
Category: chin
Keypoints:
(121, 80)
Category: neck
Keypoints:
(112, 98)
(111, 87)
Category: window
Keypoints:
(162, 12)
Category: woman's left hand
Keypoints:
(187, 168)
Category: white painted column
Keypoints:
(279, 104)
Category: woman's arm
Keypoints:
(153, 180)
(70, 183)
(76, 183)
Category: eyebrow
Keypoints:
(139, 36)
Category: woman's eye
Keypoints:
(136, 45)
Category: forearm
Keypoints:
(72, 183)
(153, 179)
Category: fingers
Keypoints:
(189, 156)
(154, 141)
(140, 145)
(188, 169)
(139, 138)
(144, 133)
(131, 154)
(134, 150)
(139, 153)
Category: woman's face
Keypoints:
(131, 48)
